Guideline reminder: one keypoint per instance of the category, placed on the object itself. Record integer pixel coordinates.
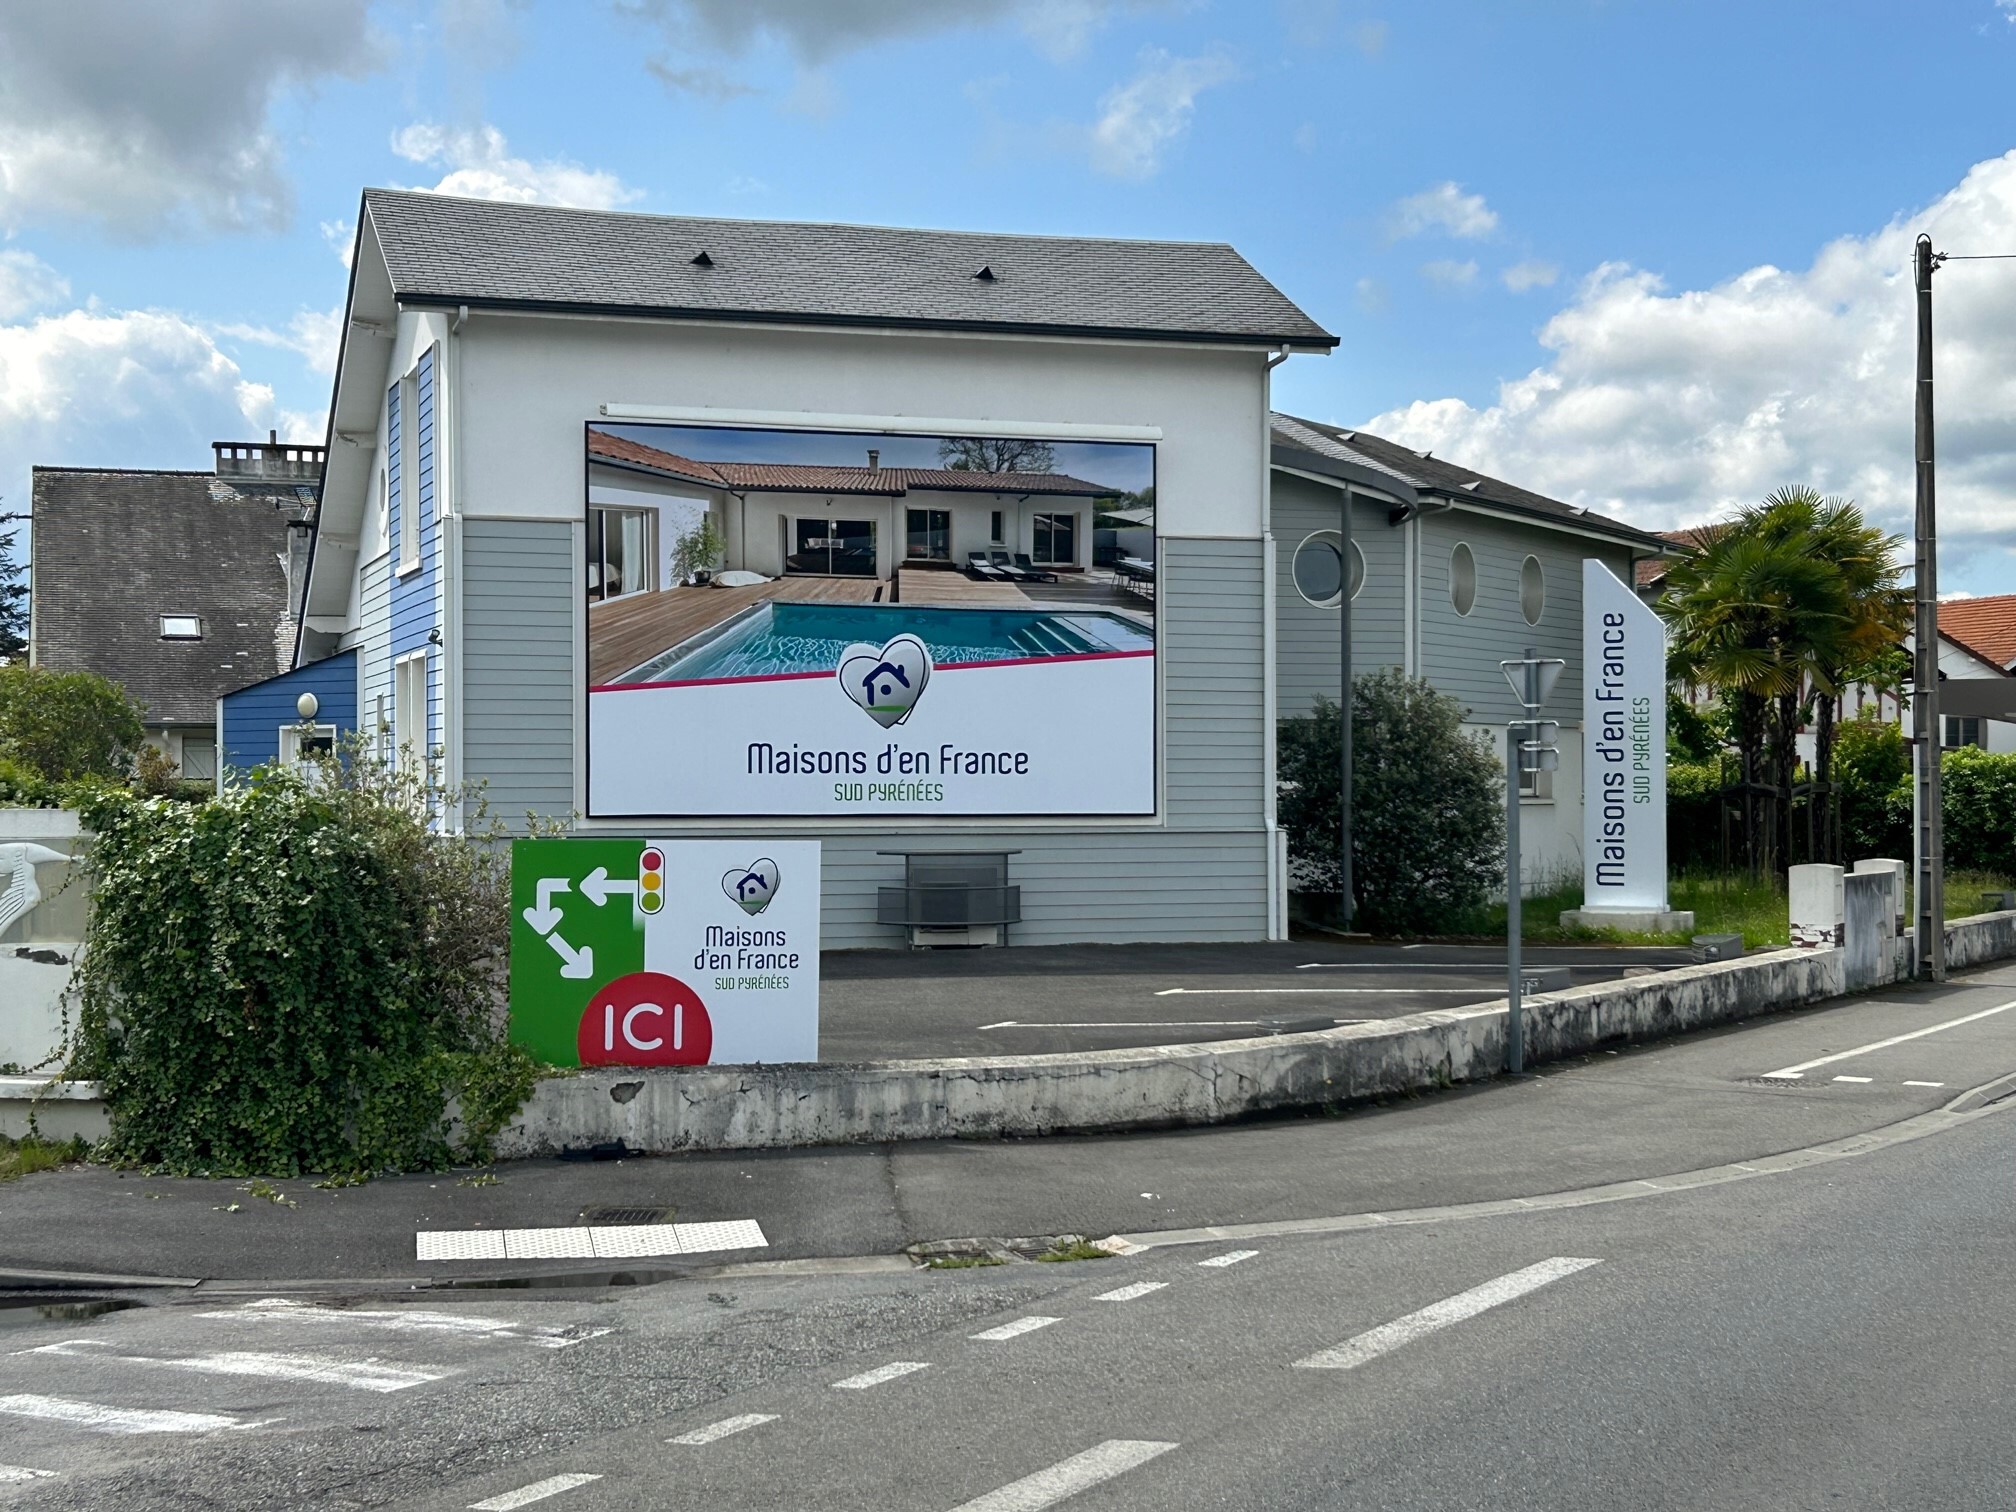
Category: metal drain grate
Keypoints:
(623, 1216)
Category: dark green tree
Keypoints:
(13, 593)
(65, 725)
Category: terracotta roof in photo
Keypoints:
(798, 477)
(1652, 570)
(1985, 626)
(488, 253)
(1436, 475)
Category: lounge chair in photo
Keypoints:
(1007, 568)
(977, 566)
(1031, 571)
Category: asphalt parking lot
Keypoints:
(885, 1004)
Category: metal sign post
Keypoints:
(1530, 746)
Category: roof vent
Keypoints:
(1349, 435)
(1473, 485)
(1424, 455)
(986, 274)
(702, 260)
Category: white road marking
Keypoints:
(1231, 1258)
(10, 1474)
(1332, 991)
(725, 1427)
(1792, 1072)
(1387, 1337)
(1068, 1477)
(1146, 1023)
(102, 1419)
(406, 1320)
(879, 1374)
(1855, 1078)
(1013, 1330)
(361, 1375)
(524, 1496)
(1129, 1293)
(632, 1241)
(1924, 1084)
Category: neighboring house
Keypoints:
(178, 586)
(1985, 626)
(1452, 572)
(461, 543)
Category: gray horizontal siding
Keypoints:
(1203, 877)
(518, 595)
(1460, 654)
(1307, 644)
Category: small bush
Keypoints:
(21, 788)
(65, 725)
(1427, 815)
(1870, 760)
(1694, 813)
(298, 975)
(1978, 799)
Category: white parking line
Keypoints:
(1068, 1477)
(634, 1241)
(1129, 1293)
(725, 1427)
(524, 1496)
(1924, 1084)
(1147, 1023)
(1387, 1337)
(1013, 1330)
(11, 1474)
(102, 1419)
(1793, 1073)
(413, 1320)
(1332, 991)
(358, 1375)
(1855, 1078)
(1232, 1257)
(879, 1374)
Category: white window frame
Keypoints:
(1536, 787)
(409, 744)
(290, 741)
(189, 635)
(409, 473)
(182, 758)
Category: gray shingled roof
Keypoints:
(485, 252)
(114, 551)
(1430, 474)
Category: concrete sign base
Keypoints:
(1636, 920)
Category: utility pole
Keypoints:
(1345, 709)
(1930, 881)
(1529, 747)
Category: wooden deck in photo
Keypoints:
(625, 632)
(954, 590)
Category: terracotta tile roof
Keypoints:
(1985, 626)
(1651, 572)
(796, 477)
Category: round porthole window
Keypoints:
(1462, 579)
(1532, 590)
(1319, 568)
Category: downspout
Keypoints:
(1277, 849)
(452, 732)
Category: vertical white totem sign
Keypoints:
(1623, 757)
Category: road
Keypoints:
(1823, 1335)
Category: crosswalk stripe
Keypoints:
(102, 1419)
(524, 1496)
(1232, 1257)
(725, 1427)
(1066, 1478)
(358, 1375)
(1013, 1330)
(414, 1320)
(1129, 1293)
(635, 1241)
(1374, 1342)
(879, 1374)
(12, 1474)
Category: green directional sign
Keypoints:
(577, 921)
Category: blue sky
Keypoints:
(1641, 255)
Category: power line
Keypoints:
(1977, 257)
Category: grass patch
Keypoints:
(24, 1157)
(1077, 1249)
(961, 1262)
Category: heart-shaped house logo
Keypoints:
(752, 887)
(888, 681)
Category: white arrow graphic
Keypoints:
(596, 887)
(579, 963)
(546, 918)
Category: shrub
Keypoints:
(65, 725)
(1694, 813)
(21, 788)
(295, 975)
(1427, 816)
(1978, 799)
(1870, 760)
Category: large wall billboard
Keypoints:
(838, 623)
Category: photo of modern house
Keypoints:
(689, 527)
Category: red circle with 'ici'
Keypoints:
(645, 1019)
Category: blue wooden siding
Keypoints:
(416, 609)
(250, 719)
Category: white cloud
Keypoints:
(1449, 273)
(149, 120)
(1444, 208)
(817, 31)
(480, 166)
(341, 235)
(1669, 407)
(314, 335)
(1530, 274)
(2008, 8)
(28, 283)
(1139, 120)
(706, 83)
